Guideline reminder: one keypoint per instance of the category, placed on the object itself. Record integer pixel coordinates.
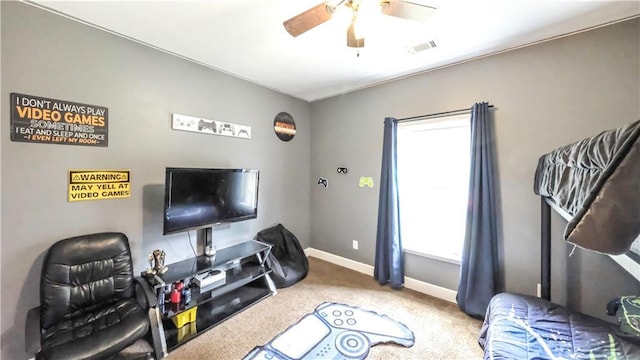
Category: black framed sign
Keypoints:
(284, 126)
(50, 121)
(99, 184)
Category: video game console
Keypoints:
(210, 279)
(334, 331)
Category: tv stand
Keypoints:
(246, 282)
(205, 237)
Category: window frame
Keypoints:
(439, 123)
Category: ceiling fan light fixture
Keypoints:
(359, 27)
(352, 39)
(367, 16)
(384, 5)
(364, 15)
(408, 10)
(342, 16)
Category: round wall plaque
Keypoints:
(284, 126)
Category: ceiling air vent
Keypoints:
(420, 47)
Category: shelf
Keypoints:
(234, 280)
(224, 257)
(212, 313)
(247, 282)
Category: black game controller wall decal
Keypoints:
(324, 182)
(334, 331)
(342, 170)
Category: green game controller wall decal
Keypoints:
(368, 181)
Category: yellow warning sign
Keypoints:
(99, 184)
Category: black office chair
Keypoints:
(91, 306)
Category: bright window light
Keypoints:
(433, 182)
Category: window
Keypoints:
(433, 183)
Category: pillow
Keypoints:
(628, 314)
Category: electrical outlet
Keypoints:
(539, 290)
(355, 244)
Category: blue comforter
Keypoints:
(527, 327)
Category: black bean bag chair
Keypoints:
(287, 258)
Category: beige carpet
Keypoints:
(441, 330)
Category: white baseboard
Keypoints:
(409, 283)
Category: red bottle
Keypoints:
(176, 293)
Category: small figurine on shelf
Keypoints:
(156, 263)
(186, 293)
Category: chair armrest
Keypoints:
(32, 332)
(145, 295)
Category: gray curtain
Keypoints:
(479, 267)
(389, 263)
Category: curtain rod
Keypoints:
(420, 117)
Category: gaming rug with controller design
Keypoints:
(334, 331)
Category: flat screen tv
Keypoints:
(196, 198)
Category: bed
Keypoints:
(526, 327)
(594, 185)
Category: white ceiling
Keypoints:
(246, 38)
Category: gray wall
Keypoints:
(545, 95)
(50, 56)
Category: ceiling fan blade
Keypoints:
(309, 19)
(407, 10)
(352, 41)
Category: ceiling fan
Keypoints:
(324, 11)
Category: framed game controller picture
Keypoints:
(208, 126)
(284, 126)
